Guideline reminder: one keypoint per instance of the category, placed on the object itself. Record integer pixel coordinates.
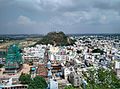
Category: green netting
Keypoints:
(14, 57)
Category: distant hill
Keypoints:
(56, 39)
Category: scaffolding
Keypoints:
(13, 58)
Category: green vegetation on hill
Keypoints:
(57, 39)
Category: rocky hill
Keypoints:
(56, 39)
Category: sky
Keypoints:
(69, 16)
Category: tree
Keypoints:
(35, 83)
(1, 65)
(102, 79)
(98, 51)
(92, 79)
(38, 83)
(57, 39)
(25, 78)
(69, 87)
(115, 83)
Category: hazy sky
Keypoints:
(70, 16)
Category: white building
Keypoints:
(34, 53)
(53, 84)
(117, 68)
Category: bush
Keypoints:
(98, 51)
(57, 39)
(35, 83)
(69, 87)
(38, 83)
(25, 78)
(1, 65)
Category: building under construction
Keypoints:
(13, 62)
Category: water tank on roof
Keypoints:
(33, 69)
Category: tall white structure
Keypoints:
(53, 84)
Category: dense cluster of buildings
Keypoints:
(67, 63)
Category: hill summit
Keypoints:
(56, 39)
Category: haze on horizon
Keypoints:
(69, 16)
